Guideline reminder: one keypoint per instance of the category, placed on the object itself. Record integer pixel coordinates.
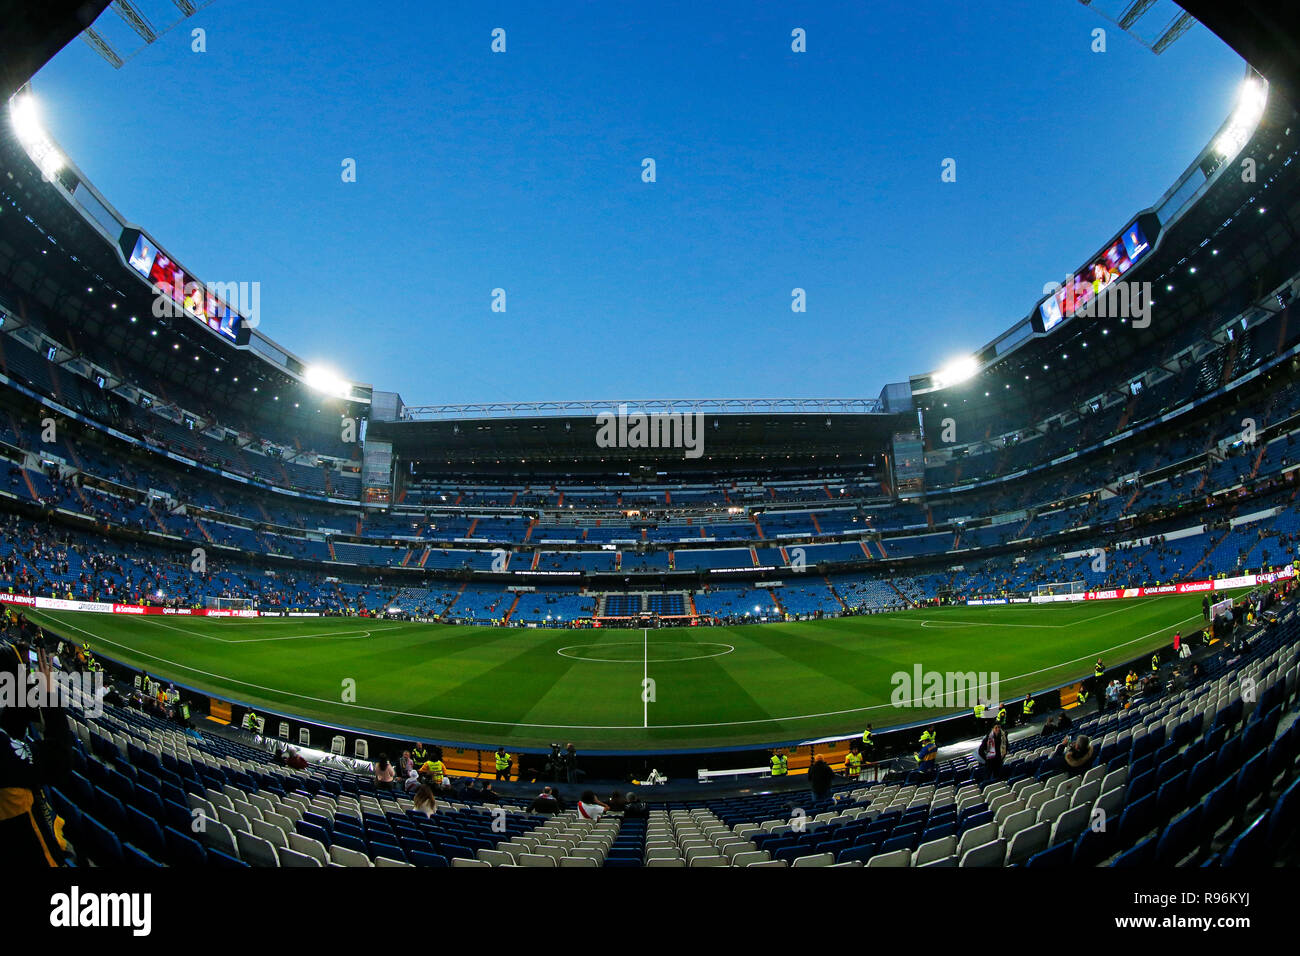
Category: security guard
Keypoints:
(780, 764)
(418, 754)
(1083, 694)
(1098, 670)
(868, 744)
(979, 711)
(1155, 662)
(1027, 708)
(503, 764)
(1002, 715)
(853, 763)
(434, 770)
(925, 757)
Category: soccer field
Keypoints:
(712, 687)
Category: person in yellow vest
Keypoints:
(780, 764)
(1027, 709)
(853, 763)
(418, 754)
(1002, 715)
(503, 764)
(1131, 680)
(1155, 662)
(868, 745)
(1083, 695)
(433, 771)
(929, 749)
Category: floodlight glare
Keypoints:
(958, 370)
(1250, 108)
(327, 381)
(27, 125)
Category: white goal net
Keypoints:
(1061, 587)
(228, 604)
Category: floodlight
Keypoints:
(958, 370)
(25, 116)
(1250, 108)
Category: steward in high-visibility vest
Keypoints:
(1098, 669)
(434, 770)
(1155, 662)
(979, 710)
(419, 755)
(780, 765)
(1028, 707)
(868, 744)
(853, 764)
(1083, 695)
(1002, 716)
(503, 764)
(929, 749)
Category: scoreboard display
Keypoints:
(200, 302)
(1120, 255)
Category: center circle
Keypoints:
(638, 652)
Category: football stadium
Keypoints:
(1036, 607)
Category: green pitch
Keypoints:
(712, 687)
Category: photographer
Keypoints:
(35, 747)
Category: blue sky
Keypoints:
(522, 171)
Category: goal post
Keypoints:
(1061, 587)
(229, 604)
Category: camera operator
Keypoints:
(35, 749)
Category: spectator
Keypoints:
(1076, 756)
(424, 800)
(28, 764)
(635, 808)
(820, 776)
(544, 802)
(591, 807)
(993, 751)
(384, 773)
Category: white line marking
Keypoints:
(645, 674)
(346, 635)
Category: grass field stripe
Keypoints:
(500, 723)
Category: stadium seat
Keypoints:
(992, 853)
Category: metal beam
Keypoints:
(819, 406)
(100, 46)
(135, 20)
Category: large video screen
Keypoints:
(1086, 285)
(169, 279)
